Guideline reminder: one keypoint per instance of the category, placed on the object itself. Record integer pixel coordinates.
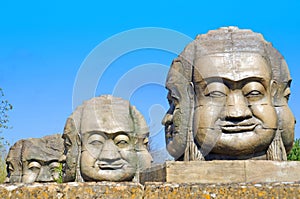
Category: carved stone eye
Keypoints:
(34, 165)
(254, 90)
(286, 94)
(216, 94)
(121, 141)
(67, 142)
(96, 140)
(253, 94)
(216, 90)
(54, 165)
(10, 167)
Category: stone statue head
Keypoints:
(222, 91)
(35, 160)
(105, 140)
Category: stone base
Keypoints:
(151, 190)
(224, 171)
(72, 190)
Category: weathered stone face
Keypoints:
(35, 160)
(109, 141)
(228, 95)
(108, 157)
(234, 103)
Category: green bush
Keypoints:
(295, 152)
(59, 170)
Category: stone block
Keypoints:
(223, 171)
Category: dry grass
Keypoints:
(3, 172)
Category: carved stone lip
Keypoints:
(238, 128)
(111, 166)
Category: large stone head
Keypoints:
(105, 140)
(230, 106)
(35, 160)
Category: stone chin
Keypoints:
(242, 143)
(126, 173)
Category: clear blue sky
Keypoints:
(44, 43)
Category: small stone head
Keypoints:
(105, 140)
(35, 160)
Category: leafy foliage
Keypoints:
(5, 106)
(295, 152)
(60, 171)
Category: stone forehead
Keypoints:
(106, 114)
(44, 149)
(15, 152)
(232, 66)
(230, 39)
(234, 40)
(110, 114)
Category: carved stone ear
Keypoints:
(140, 126)
(14, 159)
(144, 158)
(274, 88)
(72, 145)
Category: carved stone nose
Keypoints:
(109, 152)
(167, 119)
(44, 175)
(236, 108)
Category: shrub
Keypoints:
(295, 152)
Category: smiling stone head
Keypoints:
(105, 140)
(223, 88)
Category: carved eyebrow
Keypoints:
(289, 83)
(110, 135)
(54, 163)
(233, 84)
(42, 162)
(36, 160)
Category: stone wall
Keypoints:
(149, 190)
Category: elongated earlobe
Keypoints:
(274, 87)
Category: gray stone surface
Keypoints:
(35, 160)
(228, 93)
(105, 140)
(224, 171)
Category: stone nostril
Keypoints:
(237, 113)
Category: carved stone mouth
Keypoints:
(236, 128)
(110, 166)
